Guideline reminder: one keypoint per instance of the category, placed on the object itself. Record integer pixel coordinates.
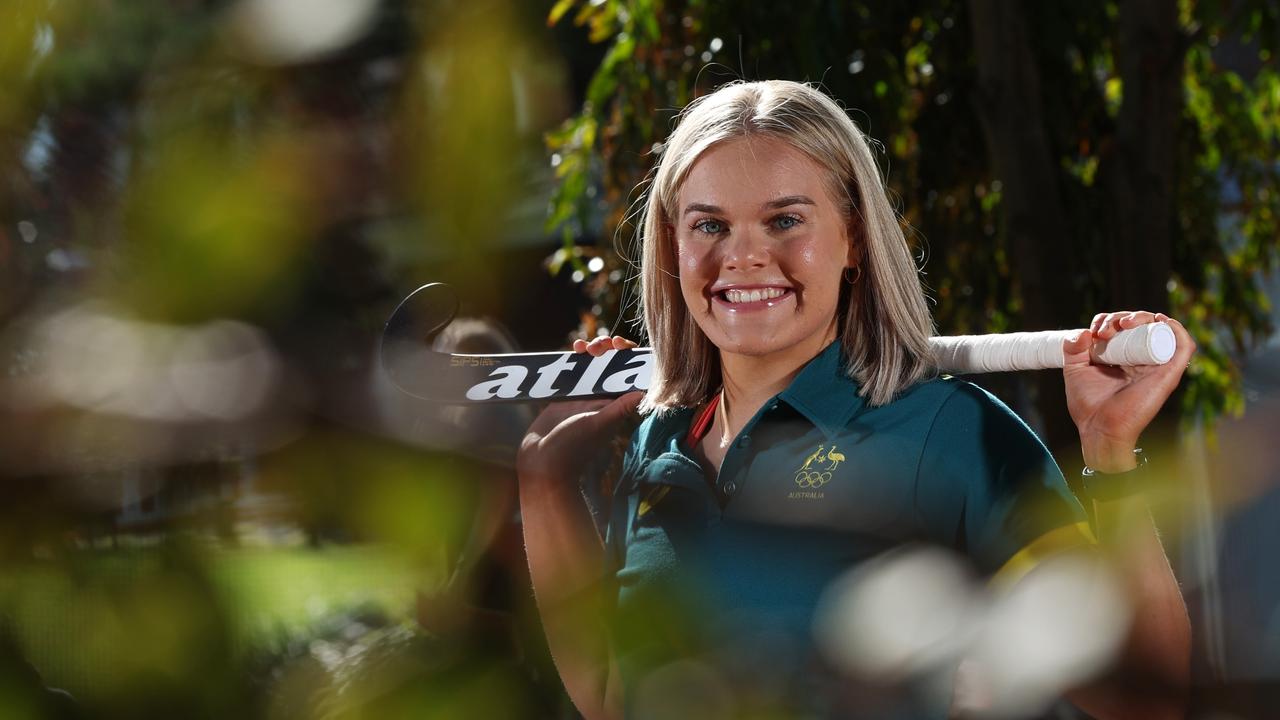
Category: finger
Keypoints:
(1075, 349)
(1186, 345)
(579, 346)
(1167, 377)
(621, 343)
(1136, 318)
(1100, 325)
(1096, 325)
(599, 346)
(1110, 326)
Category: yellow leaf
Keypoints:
(558, 10)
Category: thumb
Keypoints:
(1075, 348)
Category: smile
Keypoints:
(751, 298)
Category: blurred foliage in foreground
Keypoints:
(1053, 159)
(210, 505)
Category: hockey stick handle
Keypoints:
(1150, 344)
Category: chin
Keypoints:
(753, 346)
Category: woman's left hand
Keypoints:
(1111, 406)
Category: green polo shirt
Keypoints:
(729, 572)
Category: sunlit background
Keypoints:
(212, 504)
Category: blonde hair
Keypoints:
(883, 322)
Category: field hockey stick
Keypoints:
(415, 368)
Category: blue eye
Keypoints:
(786, 222)
(710, 227)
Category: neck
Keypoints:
(750, 380)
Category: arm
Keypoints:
(566, 556)
(566, 566)
(1153, 671)
(1111, 407)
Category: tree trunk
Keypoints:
(1142, 174)
(1140, 171)
(1010, 110)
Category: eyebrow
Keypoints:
(771, 205)
(789, 200)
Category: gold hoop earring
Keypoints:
(857, 276)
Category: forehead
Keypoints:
(750, 171)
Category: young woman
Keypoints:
(795, 427)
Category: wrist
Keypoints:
(1109, 456)
(1105, 487)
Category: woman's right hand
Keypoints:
(566, 433)
(566, 555)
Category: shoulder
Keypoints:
(971, 404)
(953, 399)
(944, 398)
(973, 426)
(956, 415)
(659, 426)
(655, 432)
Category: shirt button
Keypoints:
(744, 441)
(730, 488)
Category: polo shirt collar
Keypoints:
(824, 393)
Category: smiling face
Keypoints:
(761, 247)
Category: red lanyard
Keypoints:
(703, 423)
(699, 430)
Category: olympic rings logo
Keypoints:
(812, 479)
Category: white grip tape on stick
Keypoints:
(1150, 344)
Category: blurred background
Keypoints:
(212, 505)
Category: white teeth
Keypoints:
(746, 296)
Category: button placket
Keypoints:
(735, 462)
(738, 458)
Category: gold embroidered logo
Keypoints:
(816, 472)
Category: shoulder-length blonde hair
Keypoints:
(883, 321)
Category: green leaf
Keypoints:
(558, 10)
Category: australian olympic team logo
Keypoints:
(818, 468)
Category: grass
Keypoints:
(97, 618)
(272, 589)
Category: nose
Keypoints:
(744, 251)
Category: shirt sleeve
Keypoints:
(990, 488)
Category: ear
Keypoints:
(855, 244)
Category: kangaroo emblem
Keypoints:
(817, 456)
(812, 475)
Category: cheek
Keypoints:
(689, 266)
(690, 259)
(817, 263)
(811, 256)
(695, 265)
(817, 259)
